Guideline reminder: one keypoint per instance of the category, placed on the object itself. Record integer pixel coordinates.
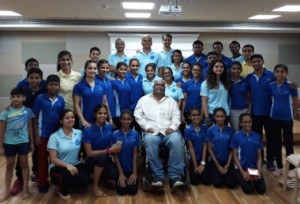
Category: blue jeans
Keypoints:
(176, 155)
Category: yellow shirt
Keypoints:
(247, 69)
(67, 83)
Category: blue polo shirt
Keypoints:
(99, 137)
(48, 112)
(182, 82)
(217, 97)
(258, 87)
(176, 72)
(136, 86)
(227, 61)
(109, 94)
(220, 142)
(148, 85)
(247, 146)
(31, 96)
(25, 84)
(67, 148)
(193, 60)
(192, 88)
(16, 130)
(166, 57)
(90, 97)
(144, 59)
(130, 141)
(197, 138)
(238, 94)
(174, 92)
(239, 58)
(122, 93)
(205, 71)
(281, 108)
(113, 59)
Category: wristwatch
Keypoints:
(203, 163)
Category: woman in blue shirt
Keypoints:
(150, 78)
(176, 67)
(283, 111)
(88, 93)
(218, 139)
(186, 74)
(97, 145)
(64, 146)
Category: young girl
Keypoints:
(194, 135)
(247, 146)
(122, 91)
(218, 144)
(126, 159)
(150, 78)
(186, 74)
(214, 90)
(97, 144)
(176, 67)
(87, 94)
(16, 138)
(64, 146)
(283, 111)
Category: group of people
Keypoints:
(94, 121)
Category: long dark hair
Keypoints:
(211, 77)
(60, 55)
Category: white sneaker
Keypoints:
(277, 172)
(65, 197)
(292, 173)
(178, 183)
(157, 184)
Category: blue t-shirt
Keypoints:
(182, 82)
(90, 97)
(247, 146)
(25, 84)
(239, 58)
(166, 57)
(48, 112)
(258, 87)
(227, 61)
(174, 92)
(136, 86)
(238, 94)
(220, 142)
(16, 131)
(193, 60)
(130, 141)
(31, 96)
(109, 94)
(67, 148)
(192, 88)
(176, 72)
(197, 138)
(122, 93)
(282, 101)
(113, 59)
(148, 85)
(144, 59)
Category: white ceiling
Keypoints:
(196, 14)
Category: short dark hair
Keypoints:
(30, 60)
(248, 45)
(259, 56)
(235, 42)
(35, 70)
(153, 65)
(217, 43)
(211, 53)
(176, 51)
(166, 35)
(52, 78)
(134, 59)
(283, 66)
(241, 117)
(119, 64)
(17, 91)
(198, 42)
(96, 49)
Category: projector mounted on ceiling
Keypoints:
(170, 10)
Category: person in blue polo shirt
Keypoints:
(88, 93)
(166, 51)
(147, 56)
(118, 56)
(283, 111)
(47, 109)
(191, 92)
(218, 139)
(257, 85)
(186, 74)
(126, 159)
(122, 91)
(150, 78)
(211, 56)
(97, 144)
(218, 48)
(176, 64)
(198, 56)
(194, 135)
(246, 146)
(235, 47)
(103, 77)
(237, 95)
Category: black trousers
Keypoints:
(63, 178)
(203, 178)
(279, 128)
(250, 186)
(220, 180)
(128, 189)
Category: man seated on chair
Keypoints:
(159, 117)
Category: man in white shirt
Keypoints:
(159, 117)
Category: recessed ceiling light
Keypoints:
(9, 13)
(137, 15)
(138, 5)
(288, 8)
(264, 17)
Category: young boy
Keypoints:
(34, 77)
(47, 108)
(211, 56)
(16, 138)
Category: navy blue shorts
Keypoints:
(12, 150)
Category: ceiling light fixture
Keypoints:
(9, 13)
(138, 5)
(137, 15)
(264, 17)
(288, 8)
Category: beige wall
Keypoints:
(79, 43)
